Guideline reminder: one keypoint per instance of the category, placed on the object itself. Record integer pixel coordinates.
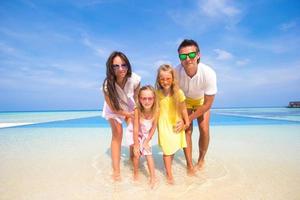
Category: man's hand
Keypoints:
(179, 126)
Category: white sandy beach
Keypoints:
(14, 119)
(243, 162)
(13, 124)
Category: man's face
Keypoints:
(187, 58)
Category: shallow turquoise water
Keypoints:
(66, 155)
(235, 116)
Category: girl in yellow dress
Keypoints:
(172, 109)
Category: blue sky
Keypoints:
(53, 53)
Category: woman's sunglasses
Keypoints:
(124, 66)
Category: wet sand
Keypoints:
(243, 162)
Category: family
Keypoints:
(181, 95)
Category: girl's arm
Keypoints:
(119, 112)
(153, 128)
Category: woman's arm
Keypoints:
(136, 125)
(136, 91)
(119, 112)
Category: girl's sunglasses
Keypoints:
(184, 56)
(146, 98)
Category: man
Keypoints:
(198, 82)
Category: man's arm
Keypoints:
(208, 101)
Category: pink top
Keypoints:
(144, 129)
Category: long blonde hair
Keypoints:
(154, 108)
(174, 86)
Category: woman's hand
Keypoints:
(129, 116)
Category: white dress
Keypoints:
(144, 129)
(126, 98)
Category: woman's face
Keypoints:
(120, 67)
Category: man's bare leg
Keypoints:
(203, 125)
(188, 150)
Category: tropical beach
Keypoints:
(253, 155)
(70, 72)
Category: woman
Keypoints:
(120, 89)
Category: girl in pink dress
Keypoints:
(144, 126)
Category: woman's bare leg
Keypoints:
(117, 133)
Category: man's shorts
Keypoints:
(193, 104)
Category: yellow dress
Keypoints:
(169, 140)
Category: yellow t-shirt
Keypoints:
(169, 140)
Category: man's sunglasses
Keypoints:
(184, 56)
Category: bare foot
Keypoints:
(116, 177)
(191, 171)
(200, 165)
(135, 176)
(170, 180)
(152, 182)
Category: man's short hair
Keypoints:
(187, 42)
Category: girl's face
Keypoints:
(120, 67)
(146, 99)
(165, 80)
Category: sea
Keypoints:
(92, 118)
(253, 154)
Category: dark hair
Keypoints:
(109, 87)
(189, 42)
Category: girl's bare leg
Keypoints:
(151, 167)
(168, 165)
